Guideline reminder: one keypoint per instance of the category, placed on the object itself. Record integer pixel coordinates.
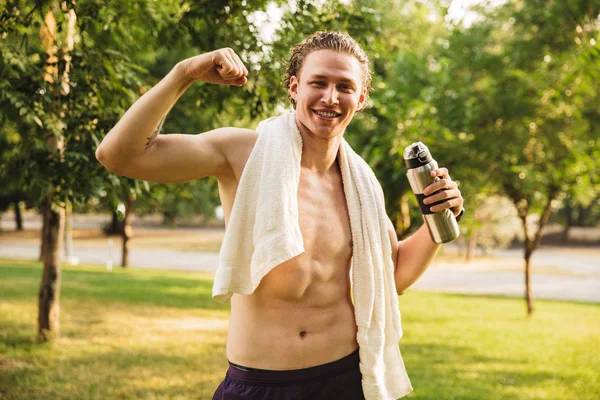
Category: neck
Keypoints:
(318, 154)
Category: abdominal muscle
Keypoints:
(301, 315)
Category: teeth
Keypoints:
(326, 114)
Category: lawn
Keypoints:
(140, 334)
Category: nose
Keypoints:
(330, 96)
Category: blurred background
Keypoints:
(504, 93)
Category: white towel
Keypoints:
(263, 232)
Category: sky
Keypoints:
(269, 20)
(460, 9)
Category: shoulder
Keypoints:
(236, 145)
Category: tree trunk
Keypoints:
(18, 216)
(532, 242)
(49, 295)
(528, 292)
(569, 220)
(169, 218)
(54, 216)
(127, 229)
(472, 243)
(44, 208)
(115, 224)
(523, 211)
(581, 214)
(565, 233)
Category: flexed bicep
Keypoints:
(180, 157)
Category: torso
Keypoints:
(301, 314)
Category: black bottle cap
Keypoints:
(416, 155)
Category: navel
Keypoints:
(302, 334)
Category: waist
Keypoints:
(257, 376)
(278, 338)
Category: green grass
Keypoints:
(141, 334)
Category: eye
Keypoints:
(318, 83)
(346, 88)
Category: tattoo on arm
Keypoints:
(154, 135)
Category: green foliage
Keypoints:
(102, 81)
(120, 50)
(181, 200)
(520, 91)
(508, 104)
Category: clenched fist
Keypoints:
(222, 67)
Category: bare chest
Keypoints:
(323, 219)
(321, 273)
(322, 215)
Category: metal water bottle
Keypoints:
(442, 225)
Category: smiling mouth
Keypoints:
(326, 114)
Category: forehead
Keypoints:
(333, 64)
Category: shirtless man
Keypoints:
(299, 322)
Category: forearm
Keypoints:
(413, 257)
(135, 131)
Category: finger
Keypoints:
(440, 172)
(239, 68)
(232, 71)
(219, 59)
(441, 195)
(439, 185)
(237, 82)
(451, 203)
(226, 65)
(240, 65)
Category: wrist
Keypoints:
(182, 76)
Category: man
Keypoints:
(295, 336)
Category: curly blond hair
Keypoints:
(326, 40)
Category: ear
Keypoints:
(362, 100)
(293, 89)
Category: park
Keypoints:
(106, 281)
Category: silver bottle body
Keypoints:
(442, 225)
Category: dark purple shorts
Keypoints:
(340, 379)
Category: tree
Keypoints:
(56, 87)
(69, 71)
(519, 82)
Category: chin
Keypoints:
(329, 133)
(327, 129)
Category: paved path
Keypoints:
(544, 286)
(144, 258)
(580, 280)
(585, 261)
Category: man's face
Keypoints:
(328, 91)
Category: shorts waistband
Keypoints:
(263, 376)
